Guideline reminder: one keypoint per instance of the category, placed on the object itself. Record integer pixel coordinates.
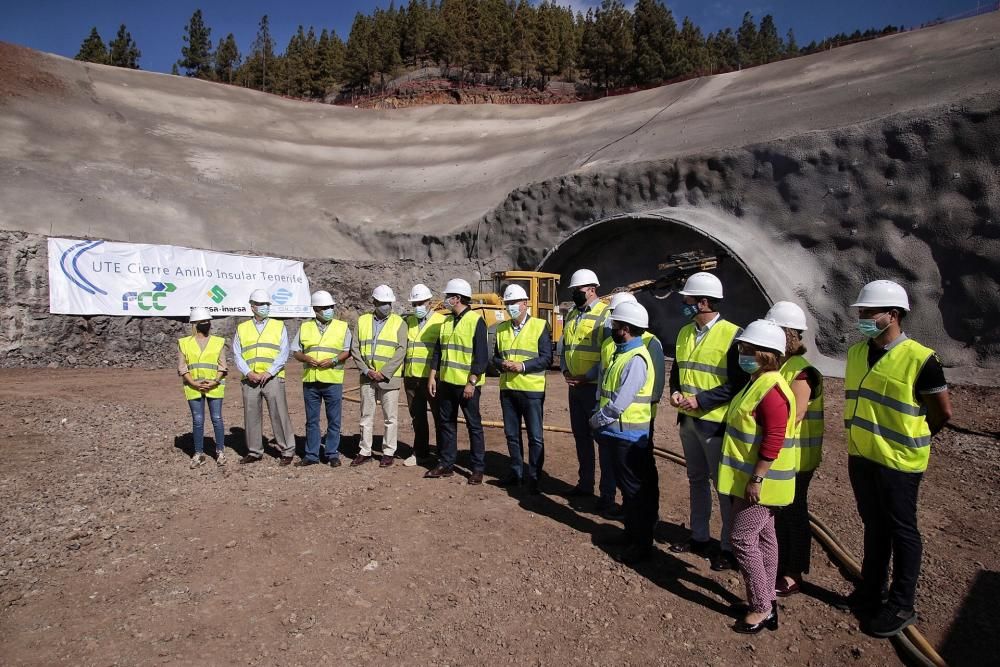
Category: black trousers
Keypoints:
(449, 398)
(417, 400)
(791, 525)
(887, 503)
(639, 482)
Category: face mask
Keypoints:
(579, 298)
(618, 335)
(421, 312)
(869, 328)
(203, 327)
(450, 305)
(689, 310)
(262, 311)
(326, 314)
(515, 310)
(383, 310)
(748, 363)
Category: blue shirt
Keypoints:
(279, 361)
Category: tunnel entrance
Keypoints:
(626, 250)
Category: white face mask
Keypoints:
(515, 310)
(421, 312)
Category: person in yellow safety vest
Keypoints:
(522, 355)
(621, 427)
(896, 399)
(323, 344)
(458, 371)
(379, 348)
(201, 363)
(580, 360)
(260, 350)
(423, 328)
(792, 524)
(757, 471)
(704, 377)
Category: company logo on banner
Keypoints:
(109, 278)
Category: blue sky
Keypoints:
(59, 26)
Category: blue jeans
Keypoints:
(582, 405)
(316, 393)
(197, 406)
(449, 397)
(517, 405)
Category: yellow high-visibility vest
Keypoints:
(261, 349)
(385, 346)
(202, 364)
(582, 337)
(637, 416)
(322, 346)
(456, 349)
(522, 347)
(808, 440)
(741, 445)
(420, 344)
(702, 365)
(885, 422)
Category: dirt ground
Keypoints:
(114, 552)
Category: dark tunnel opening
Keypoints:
(627, 250)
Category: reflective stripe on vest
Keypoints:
(323, 346)
(808, 438)
(702, 366)
(202, 364)
(741, 445)
(420, 342)
(885, 422)
(637, 416)
(582, 338)
(260, 349)
(456, 348)
(522, 347)
(385, 346)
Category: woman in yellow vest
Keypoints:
(201, 363)
(757, 471)
(806, 382)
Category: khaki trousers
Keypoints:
(389, 398)
(273, 391)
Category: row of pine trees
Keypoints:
(502, 42)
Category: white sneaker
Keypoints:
(410, 461)
(220, 459)
(197, 460)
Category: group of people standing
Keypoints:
(750, 415)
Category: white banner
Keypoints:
(134, 279)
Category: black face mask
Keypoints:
(579, 298)
(618, 335)
(203, 327)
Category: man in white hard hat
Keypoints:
(423, 328)
(522, 354)
(260, 350)
(621, 426)
(323, 344)
(378, 348)
(703, 379)
(896, 399)
(580, 358)
(458, 371)
(652, 343)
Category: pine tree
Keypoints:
(385, 43)
(414, 32)
(610, 51)
(495, 22)
(359, 58)
(523, 56)
(654, 34)
(227, 58)
(93, 50)
(258, 70)
(547, 40)
(330, 52)
(724, 53)
(695, 57)
(174, 70)
(769, 46)
(196, 57)
(791, 46)
(746, 41)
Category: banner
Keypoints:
(134, 279)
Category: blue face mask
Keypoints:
(421, 312)
(515, 310)
(869, 328)
(263, 311)
(689, 310)
(748, 363)
(326, 314)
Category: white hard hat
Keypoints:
(260, 296)
(458, 286)
(199, 314)
(787, 314)
(632, 313)
(420, 292)
(582, 277)
(322, 298)
(514, 293)
(882, 293)
(765, 334)
(384, 294)
(618, 298)
(703, 284)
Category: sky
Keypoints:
(59, 26)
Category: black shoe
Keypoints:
(334, 463)
(769, 623)
(533, 487)
(510, 479)
(634, 554)
(724, 561)
(696, 547)
(246, 460)
(579, 492)
(302, 463)
(890, 621)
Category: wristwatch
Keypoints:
(756, 479)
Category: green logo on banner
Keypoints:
(217, 294)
